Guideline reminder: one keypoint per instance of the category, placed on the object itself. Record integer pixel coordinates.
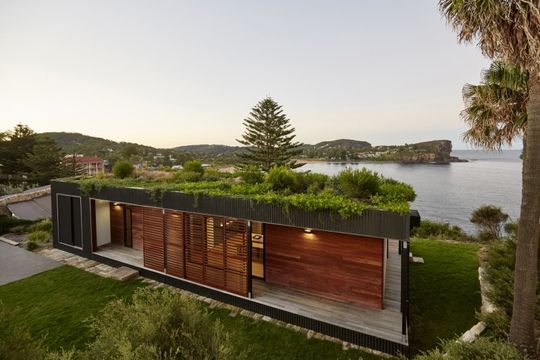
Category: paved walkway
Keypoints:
(17, 263)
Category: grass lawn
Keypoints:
(58, 302)
(444, 291)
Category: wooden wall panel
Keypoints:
(153, 246)
(117, 224)
(337, 266)
(174, 242)
(137, 232)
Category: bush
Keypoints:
(281, 178)
(395, 191)
(490, 220)
(20, 229)
(481, 349)
(189, 176)
(251, 174)
(39, 236)
(16, 343)
(311, 183)
(31, 245)
(157, 324)
(498, 322)
(9, 222)
(193, 166)
(43, 225)
(358, 184)
(434, 230)
(123, 169)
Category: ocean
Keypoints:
(450, 192)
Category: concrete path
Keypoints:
(17, 263)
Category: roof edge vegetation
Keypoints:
(391, 195)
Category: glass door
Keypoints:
(257, 249)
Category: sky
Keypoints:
(170, 73)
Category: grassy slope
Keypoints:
(444, 291)
(57, 303)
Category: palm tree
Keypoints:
(496, 109)
(509, 31)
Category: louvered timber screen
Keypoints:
(174, 242)
(153, 247)
(216, 252)
(236, 256)
(194, 247)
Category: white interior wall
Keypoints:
(103, 223)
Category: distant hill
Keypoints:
(437, 151)
(342, 143)
(71, 143)
(209, 149)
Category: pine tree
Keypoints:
(45, 161)
(269, 138)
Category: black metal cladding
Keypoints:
(371, 223)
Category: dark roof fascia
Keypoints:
(371, 222)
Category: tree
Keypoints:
(509, 31)
(45, 161)
(72, 167)
(496, 109)
(123, 169)
(490, 220)
(14, 147)
(269, 137)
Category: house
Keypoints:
(85, 165)
(343, 277)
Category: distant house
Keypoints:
(86, 165)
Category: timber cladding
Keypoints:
(336, 266)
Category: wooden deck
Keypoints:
(384, 323)
(122, 253)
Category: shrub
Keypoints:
(498, 322)
(434, 230)
(9, 222)
(481, 349)
(39, 236)
(123, 169)
(31, 245)
(16, 343)
(43, 225)
(490, 220)
(395, 191)
(193, 166)
(157, 324)
(19, 229)
(190, 176)
(311, 183)
(251, 174)
(282, 178)
(358, 184)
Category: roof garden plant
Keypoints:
(348, 193)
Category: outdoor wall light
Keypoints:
(307, 230)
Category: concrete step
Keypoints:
(124, 273)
